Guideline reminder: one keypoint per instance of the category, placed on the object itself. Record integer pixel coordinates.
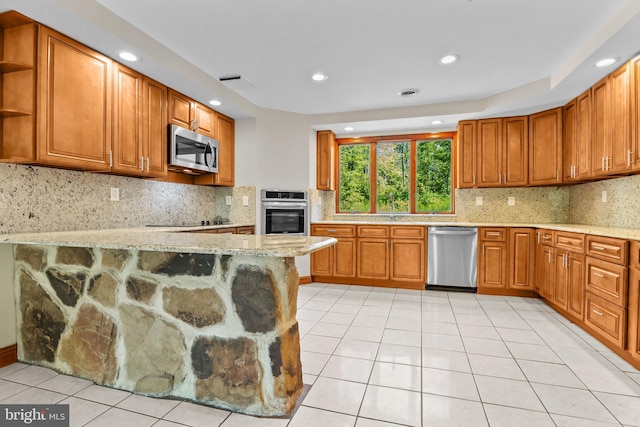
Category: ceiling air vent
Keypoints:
(409, 92)
(236, 82)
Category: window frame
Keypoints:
(413, 139)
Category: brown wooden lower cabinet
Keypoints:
(373, 258)
(609, 320)
(338, 261)
(492, 265)
(521, 258)
(506, 257)
(633, 313)
(408, 260)
(375, 255)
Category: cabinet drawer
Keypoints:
(373, 231)
(409, 232)
(608, 319)
(634, 254)
(333, 230)
(607, 280)
(608, 248)
(573, 242)
(496, 234)
(546, 237)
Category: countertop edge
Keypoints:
(599, 230)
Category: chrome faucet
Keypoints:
(391, 205)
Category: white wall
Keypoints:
(274, 151)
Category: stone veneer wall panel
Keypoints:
(34, 199)
(189, 335)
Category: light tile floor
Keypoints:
(379, 357)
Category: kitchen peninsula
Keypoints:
(163, 312)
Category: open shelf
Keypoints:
(10, 67)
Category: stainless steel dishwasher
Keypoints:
(453, 258)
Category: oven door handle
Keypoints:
(284, 205)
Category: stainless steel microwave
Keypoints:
(192, 151)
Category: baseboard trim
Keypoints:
(8, 355)
(305, 280)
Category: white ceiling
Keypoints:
(516, 56)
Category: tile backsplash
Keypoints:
(535, 204)
(34, 199)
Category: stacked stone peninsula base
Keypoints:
(211, 328)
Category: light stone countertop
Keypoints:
(178, 239)
(621, 233)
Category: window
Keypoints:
(409, 174)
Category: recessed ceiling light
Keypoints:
(348, 128)
(606, 62)
(215, 102)
(409, 92)
(318, 77)
(449, 59)
(437, 122)
(128, 56)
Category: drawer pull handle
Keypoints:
(598, 248)
(332, 231)
(563, 241)
(546, 238)
(597, 312)
(493, 234)
(598, 274)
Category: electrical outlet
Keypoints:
(115, 194)
(245, 200)
(228, 200)
(511, 201)
(604, 196)
(478, 201)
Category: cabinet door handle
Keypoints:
(603, 163)
(142, 164)
(549, 255)
(110, 159)
(538, 237)
(629, 157)
(607, 162)
(148, 165)
(597, 312)
(595, 273)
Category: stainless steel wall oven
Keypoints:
(285, 212)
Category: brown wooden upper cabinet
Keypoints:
(635, 114)
(577, 139)
(467, 153)
(611, 131)
(226, 175)
(545, 147)
(493, 152)
(139, 124)
(325, 152)
(74, 104)
(185, 112)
